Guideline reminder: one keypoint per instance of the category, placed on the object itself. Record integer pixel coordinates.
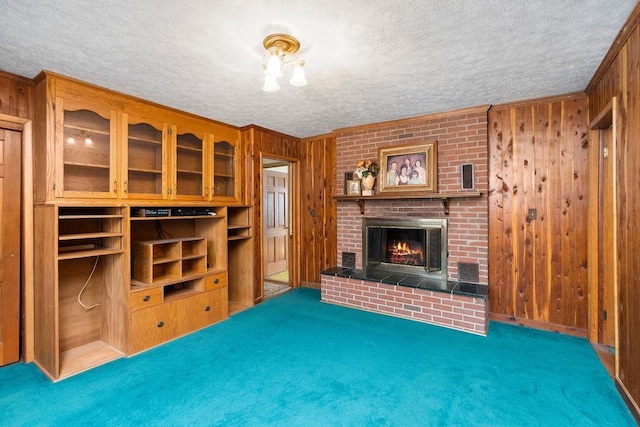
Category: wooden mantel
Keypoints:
(424, 196)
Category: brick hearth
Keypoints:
(455, 305)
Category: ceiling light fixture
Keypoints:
(281, 53)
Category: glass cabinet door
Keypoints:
(189, 166)
(145, 155)
(224, 169)
(85, 155)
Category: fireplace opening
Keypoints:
(406, 245)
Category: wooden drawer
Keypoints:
(202, 310)
(145, 298)
(215, 281)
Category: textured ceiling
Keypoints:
(366, 60)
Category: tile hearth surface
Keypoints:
(411, 281)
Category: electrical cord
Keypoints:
(162, 233)
(95, 264)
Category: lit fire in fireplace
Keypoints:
(403, 253)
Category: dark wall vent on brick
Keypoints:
(349, 259)
(468, 272)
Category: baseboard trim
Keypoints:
(537, 324)
(311, 285)
(606, 357)
(631, 404)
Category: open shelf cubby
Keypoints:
(239, 223)
(183, 289)
(157, 261)
(88, 232)
(82, 283)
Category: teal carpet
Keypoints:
(294, 361)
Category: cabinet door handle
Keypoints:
(115, 186)
(126, 186)
(146, 298)
(207, 308)
(216, 280)
(160, 324)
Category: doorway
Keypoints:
(277, 231)
(10, 241)
(607, 240)
(603, 263)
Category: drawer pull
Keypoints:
(160, 324)
(207, 308)
(146, 298)
(216, 280)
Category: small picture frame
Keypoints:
(347, 177)
(353, 187)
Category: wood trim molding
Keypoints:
(537, 101)
(311, 285)
(626, 396)
(12, 122)
(604, 119)
(618, 43)
(404, 122)
(269, 131)
(317, 137)
(16, 77)
(539, 324)
(11, 126)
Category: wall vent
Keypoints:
(349, 259)
(468, 272)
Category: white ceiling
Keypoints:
(366, 60)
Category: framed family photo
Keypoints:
(409, 168)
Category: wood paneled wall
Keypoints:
(259, 143)
(538, 160)
(17, 95)
(619, 76)
(313, 215)
(318, 210)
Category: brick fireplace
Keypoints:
(462, 139)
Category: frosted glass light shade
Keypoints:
(270, 84)
(273, 67)
(298, 78)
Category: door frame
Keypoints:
(26, 232)
(294, 219)
(605, 121)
